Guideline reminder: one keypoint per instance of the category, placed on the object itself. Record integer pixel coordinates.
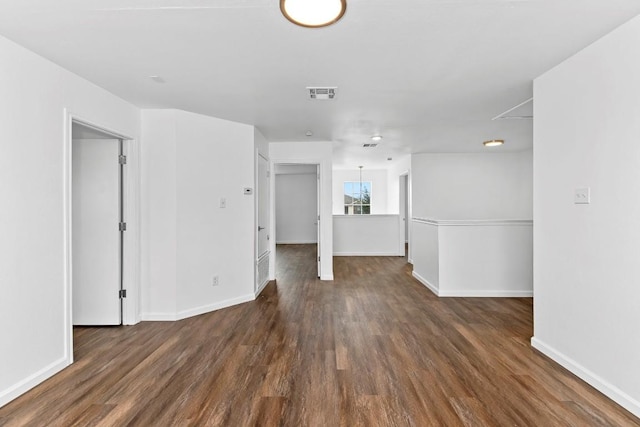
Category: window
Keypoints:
(357, 198)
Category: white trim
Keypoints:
(184, 314)
(365, 216)
(261, 288)
(31, 381)
(426, 283)
(605, 387)
(297, 242)
(326, 277)
(158, 317)
(394, 254)
(472, 293)
(472, 222)
(131, 308)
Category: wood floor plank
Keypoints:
(372, 348)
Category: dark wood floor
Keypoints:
(373, 348)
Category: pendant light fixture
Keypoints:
(313, 13)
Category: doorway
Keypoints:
(297, 209)
(97, 226)
(405, 217)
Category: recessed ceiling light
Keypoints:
(376, 138)
(313, 13)
(493, 143)
(157, 79)
(309, 133)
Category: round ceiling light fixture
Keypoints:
(376, 138)
(493, 143)
(313, 13)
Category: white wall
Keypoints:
(296, 207)
(456, 194)
(398, 167)
(474, 258)
(587, 274)
(311, 153)
(367, 235)
(33, 269)
(472, 186)
(378, 179)
(190, 162)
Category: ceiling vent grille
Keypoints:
(369, 145)
(322, 93)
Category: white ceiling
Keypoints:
(426, 74)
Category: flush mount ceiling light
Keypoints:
(493, 143)
(313, 13)
(376, 138)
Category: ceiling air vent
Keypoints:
(323, 93)
(369, 145)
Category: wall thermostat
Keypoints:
(248, 191)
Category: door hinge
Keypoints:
(268, 174)
(122, 159)
(122, 293)
(318, 217)
(318, 259)
(122, 226)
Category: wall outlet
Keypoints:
(216, 281)
(582, 196)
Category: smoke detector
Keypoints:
(322, 93)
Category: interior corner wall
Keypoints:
(190, 238)
(472, 186)
(378, 179)
(33, 308)
(586, 269)
(321, 153)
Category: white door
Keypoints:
(263, 206)
(404, 221)
(318, 212)
(96, 237)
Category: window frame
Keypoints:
(354, 206)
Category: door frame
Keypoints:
(408, 212)
(318, 164)
(258, 287)
(131, 238)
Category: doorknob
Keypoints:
(260, 228)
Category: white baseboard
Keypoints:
(31, 381)
(367, 254)
(485, 293)
(261, 288)
(471, 293)
(425, 282)
(184, 314)
(296, 242)
(326, 277)
(606, 388)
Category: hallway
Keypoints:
(372, 348)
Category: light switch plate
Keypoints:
(582, 196)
